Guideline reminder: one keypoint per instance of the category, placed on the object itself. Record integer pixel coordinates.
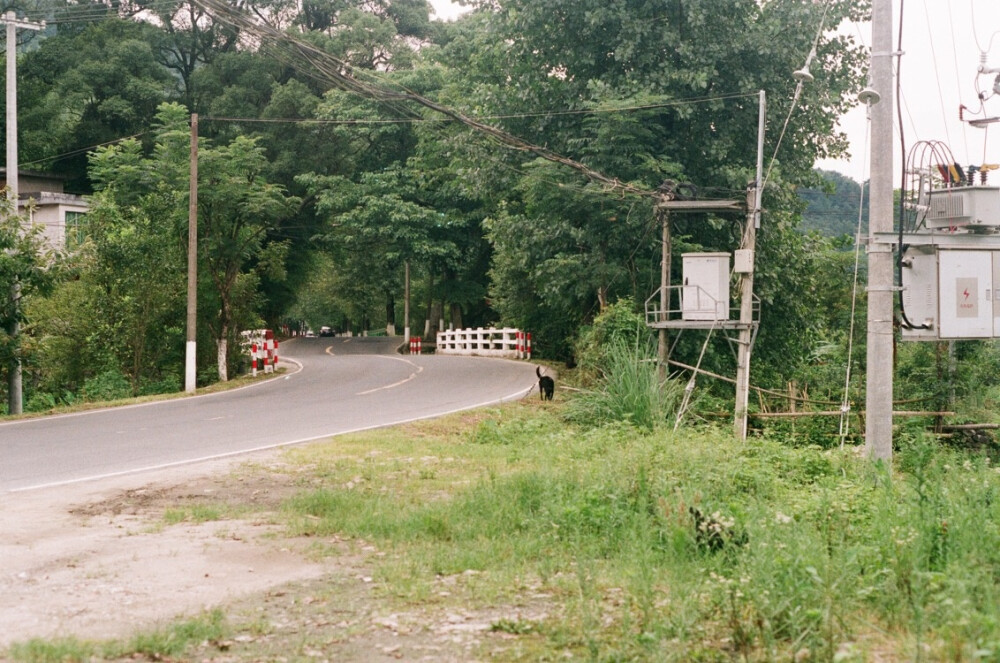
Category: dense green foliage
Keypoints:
(345, 192)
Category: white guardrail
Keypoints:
(492, 342)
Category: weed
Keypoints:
(199, 513)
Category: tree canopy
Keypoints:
(307, 179)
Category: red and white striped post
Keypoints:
(519, 336)
(416, 345)
(529, 345)
(253, 358)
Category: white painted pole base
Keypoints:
(190, 381)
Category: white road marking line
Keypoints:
(511, 397)
(391, 386)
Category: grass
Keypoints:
(198, 513)
(820, 555)
(640, 543)
(157, 645)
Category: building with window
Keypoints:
(63, 215)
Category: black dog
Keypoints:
(546, 385)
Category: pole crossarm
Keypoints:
(9, 18)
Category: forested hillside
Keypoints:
(316, 192)
(833, 208)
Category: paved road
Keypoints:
(334, 385)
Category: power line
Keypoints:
(370, 86)
(82, 150)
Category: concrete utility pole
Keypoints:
(191, 348)
(878, 406)
(14, 393)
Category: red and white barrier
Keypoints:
(262, 347)
(509, 343)
(416, 345)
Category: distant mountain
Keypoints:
(832, 208)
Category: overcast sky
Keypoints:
(446, 9)
(942, 43)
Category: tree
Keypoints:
(377, 226)
(145, 199)
(28, 266)
(89, 87)
(236, 208)
(832, 207)
(644, 91)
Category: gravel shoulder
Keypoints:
(98, 560)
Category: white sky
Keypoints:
(942, 43)
(446, 9)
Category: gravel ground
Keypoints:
(98, 561)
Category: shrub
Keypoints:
(109, 385)
(629, 390)
(618, 324)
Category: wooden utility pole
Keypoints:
(406, 302)
(191, 349)
(15, 403)
(662, 348)
(749, 253)
(878, 406)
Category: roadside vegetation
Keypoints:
(315, 202)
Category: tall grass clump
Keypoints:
(628, 390)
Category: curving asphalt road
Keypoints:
(334, 386)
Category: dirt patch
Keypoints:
(99, 561)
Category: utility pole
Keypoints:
(406, 302)
(878, 406)
(15, 403)
(662, 351)
(746, 336)
(191, 349)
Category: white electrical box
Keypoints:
(705, 293)
(965, 285)
(968, 207)
(920, 290)
(743, 261)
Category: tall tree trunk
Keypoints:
(222, 346)
(390, 314)
(222, 342)
(456, 316)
